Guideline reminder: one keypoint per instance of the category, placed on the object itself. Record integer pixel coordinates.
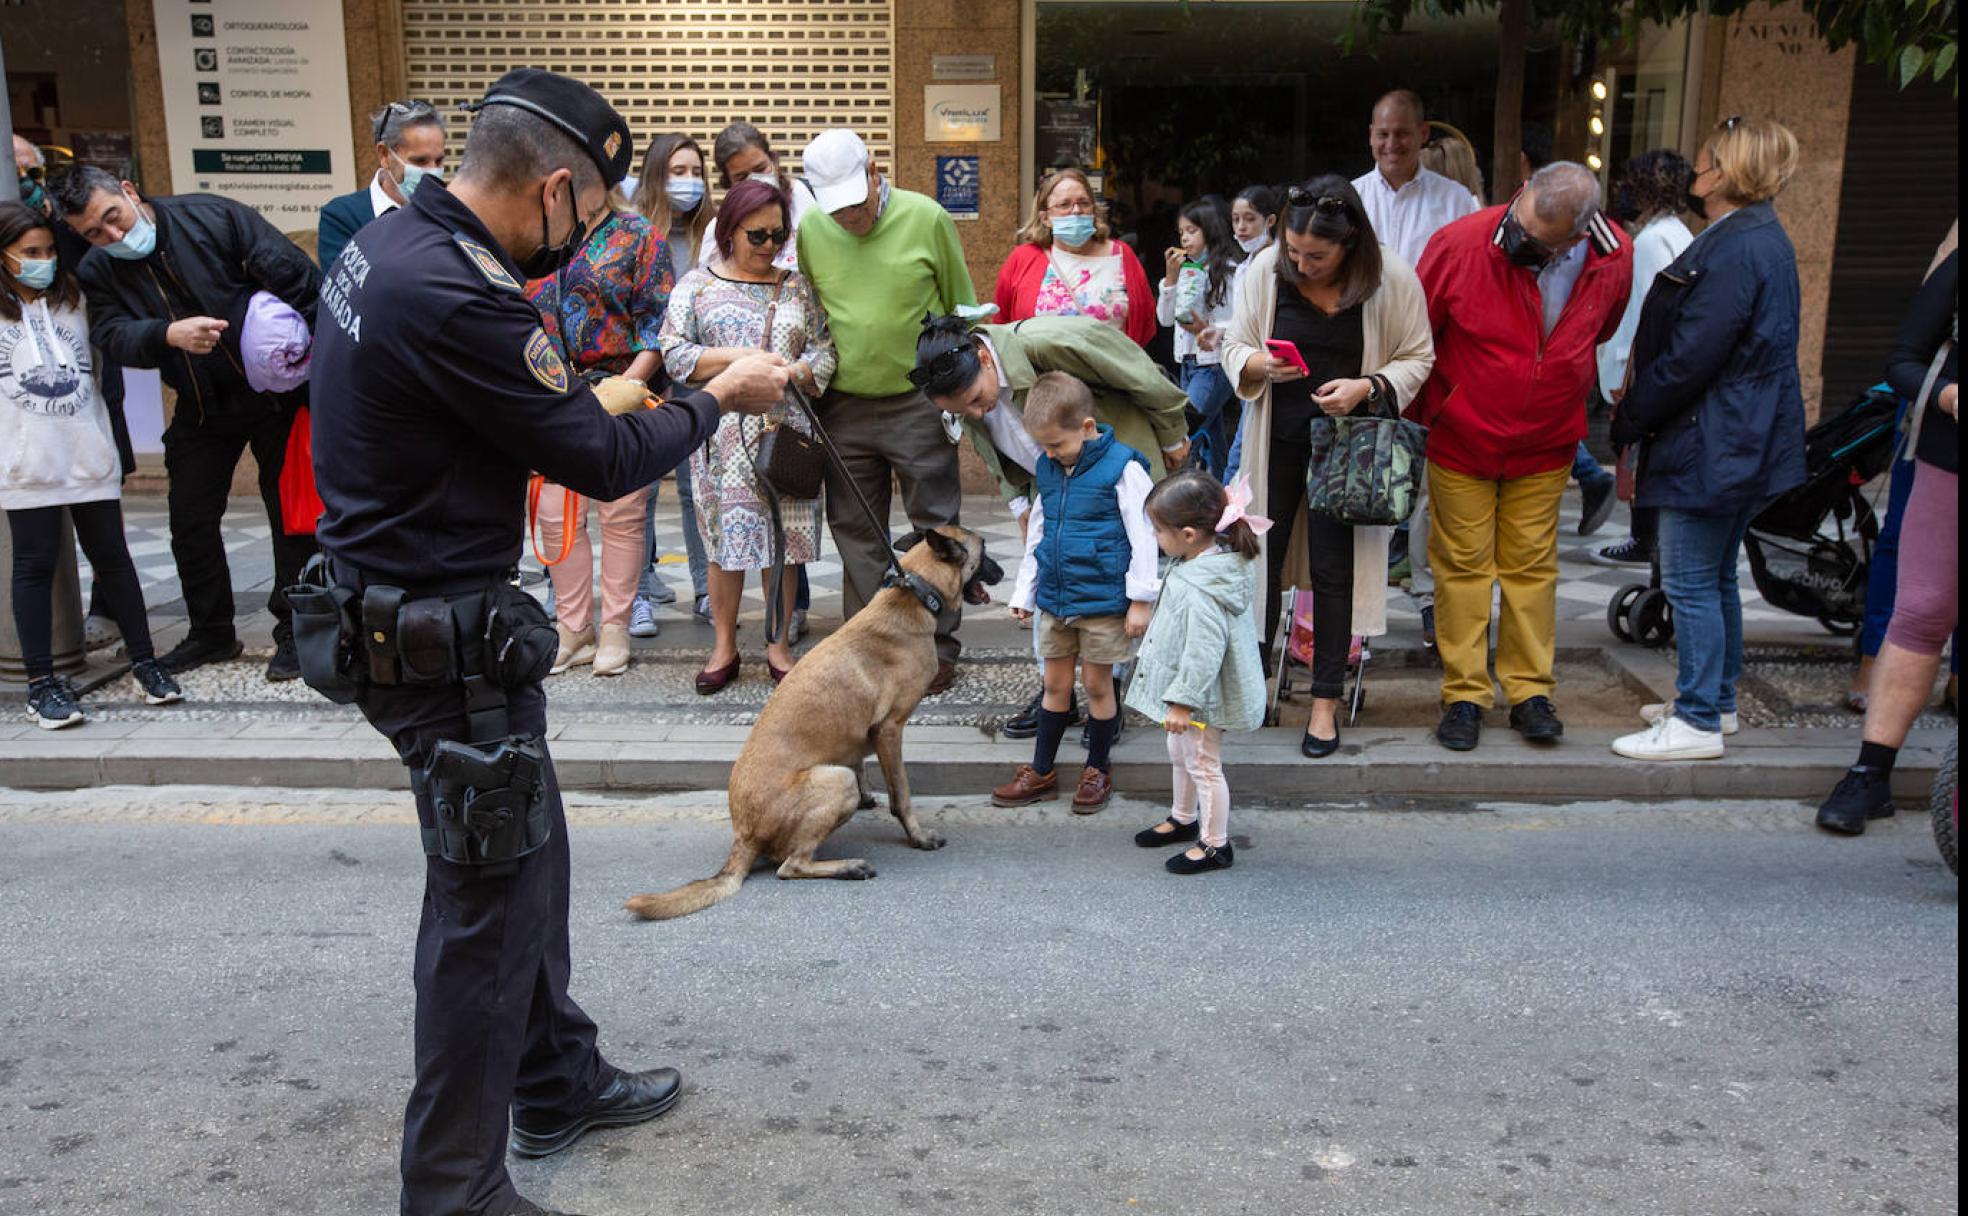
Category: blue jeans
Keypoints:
(1210, 393)
(1698, 557)
(1236, 460)
(1585, 467)
(693, 544)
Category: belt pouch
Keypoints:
(324, 640)
(520, 640)
(380, 606)
(426, 647)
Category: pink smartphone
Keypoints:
(1287, 351)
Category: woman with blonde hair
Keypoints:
(1717, 405)
(1449, 153)
(1068, 264)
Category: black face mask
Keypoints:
(1695, 203)
(1521, 248)
(549, 258)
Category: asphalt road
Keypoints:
(204, 1001)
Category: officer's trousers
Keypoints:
(495, 1028)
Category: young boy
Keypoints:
(1090, 569)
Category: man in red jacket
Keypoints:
(1519, 296)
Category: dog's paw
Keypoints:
(868, 802)
(928, 841)
(858, 871)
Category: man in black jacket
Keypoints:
(163, 273)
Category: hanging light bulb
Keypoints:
(1598, 90)
(1593, 162)
(1598, 125)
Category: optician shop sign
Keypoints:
(962, 113)
(256, 103)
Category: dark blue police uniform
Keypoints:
(435, 393)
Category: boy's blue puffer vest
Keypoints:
(1083, 556)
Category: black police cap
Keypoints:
(575, 108)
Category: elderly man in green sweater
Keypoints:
(980, 376)
(879, 258)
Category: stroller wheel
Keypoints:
(1653, 619)
(1619, 610)
(1839, 628)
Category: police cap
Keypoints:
(575, 108)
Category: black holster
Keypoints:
(487, 804)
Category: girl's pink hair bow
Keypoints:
(1239, 493)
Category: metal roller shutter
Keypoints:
(1900, 191)
(792, 68)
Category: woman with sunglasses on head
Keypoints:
(604, 309)
(739, 304)
(1353, 312)
(1067, 264)
(59, 454)
(1717, 407)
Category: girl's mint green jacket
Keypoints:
(1201, 648)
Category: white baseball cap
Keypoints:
(835, 165)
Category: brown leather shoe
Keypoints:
(1026, 787)
(1095, 789)
(946, 675)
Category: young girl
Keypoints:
(1196, 299)
(1198, 671)
(58, 453)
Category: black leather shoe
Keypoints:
(285, 664)
(196, 652)
(1025, 723)
(1537, 720)
(1212, 859)
(1861, 794)
(1461, 728)
(1149, 838)
(528, 1208)
(1597, 499)
(631, 1098)
(1312, 747)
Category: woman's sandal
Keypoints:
(1151, 838)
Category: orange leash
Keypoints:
(569, 505)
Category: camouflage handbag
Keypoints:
(1365, 470)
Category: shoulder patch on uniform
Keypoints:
(544, 361)
(487, 263)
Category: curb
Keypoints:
(960, 760)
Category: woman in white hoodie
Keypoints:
(56, 452)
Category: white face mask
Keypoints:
(1252, 244)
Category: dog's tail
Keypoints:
(696, 896)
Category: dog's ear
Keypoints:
(946, 549)
(905, 543)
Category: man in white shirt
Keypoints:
(1405, 202)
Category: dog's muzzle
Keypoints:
(989, 573)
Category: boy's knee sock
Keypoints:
(1052, 728)
(1100, 740)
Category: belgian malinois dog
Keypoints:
(800, 774)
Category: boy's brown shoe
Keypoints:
(1026, 787)
(1095, 789)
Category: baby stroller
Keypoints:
(1810, 548)
(1295, 659)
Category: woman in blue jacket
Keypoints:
(1717, 406)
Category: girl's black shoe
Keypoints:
(1312, 747)
(1149, 838)
(1212, 859)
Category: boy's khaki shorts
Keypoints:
(1095, 639)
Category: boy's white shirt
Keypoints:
(1144, 584)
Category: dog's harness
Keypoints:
(914, 584)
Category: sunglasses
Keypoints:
(761, 237)
(1324, 204)
(405, 108)
(924, 374)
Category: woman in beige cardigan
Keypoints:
(1355, 312)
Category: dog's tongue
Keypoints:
(974, 592)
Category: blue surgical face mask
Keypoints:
(1073, 231)
(139, 242)
(414, 175)
(35, 274)
(684, 192)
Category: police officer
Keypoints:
(435, 392)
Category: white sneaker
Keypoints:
(1651, 714)
(1670, 739)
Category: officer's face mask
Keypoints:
(138, 241)
(550, 257)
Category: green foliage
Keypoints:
(1911, 37)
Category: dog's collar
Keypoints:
(915, 585)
